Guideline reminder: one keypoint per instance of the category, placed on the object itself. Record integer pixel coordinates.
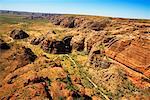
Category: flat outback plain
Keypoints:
(73, 57)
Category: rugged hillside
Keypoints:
(71, 57)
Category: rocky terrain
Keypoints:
(74, 57)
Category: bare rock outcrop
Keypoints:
(71, 22)
(97, 57)
(37, 92)
(37, 40)
(15, 58)
(79, 21)
(92, 39)
(29, 55)
(18, 34)
(68, 22)
(56, 20)
(96, 25)
(115, 81)
(132, 53)
(57, 47)
(3, 45)
(77, 42)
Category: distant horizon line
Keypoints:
(71, 14)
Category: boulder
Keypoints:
(18, 34)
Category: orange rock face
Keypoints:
(132, 53)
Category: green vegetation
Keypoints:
(5, 19)
(12, 19)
